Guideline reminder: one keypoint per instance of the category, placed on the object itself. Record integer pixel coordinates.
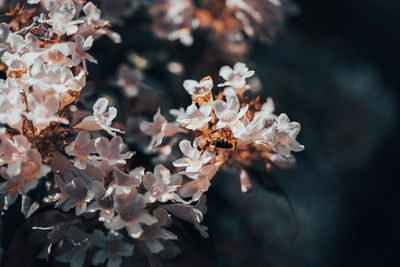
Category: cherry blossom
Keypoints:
(194, 159)
(11, 103)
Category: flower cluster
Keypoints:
(229, 129)
(81, 161)
(175, 20)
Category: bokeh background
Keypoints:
(334, 69)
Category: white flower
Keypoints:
(61, 17)
(160, 184)
(11, 103)
(158, 129)
(101, 119)
(235, 77)
(283, 135)
(194, 159)
(43, 111)
(229, 115)
(200, 181)
(198, 89)
(81, 46)
(196, 118)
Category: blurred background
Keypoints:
(334, 69)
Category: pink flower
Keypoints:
(112, 152)
(75, 193)
(131, 214)
(81, 46)
(83, 149)
(194, 159)
(154, 232)
(160, 185)
(158, 129)
(129, 80)
(101, 119)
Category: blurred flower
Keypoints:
(75, 193)
(112, 248)
(154, 232)
(158, 129)
(82, 148)
(131, 214)
(129, 80)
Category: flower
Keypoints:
(82, 45)
(103, 202)
(11, 103)
(75, 193)
(82, 148)
(61, 17)
(112, 248)
(43, 111)
(200, 182)
(198, 89)
(229, 114)
(192, 214)
(196, 118)
(100, 118)
(130, 80)
(283, 135)
(154, 232)
(111, 152)
(235, 77)
(158, 129)
(194, 159)
(160, 184)
(80, 244)
(131, 214)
